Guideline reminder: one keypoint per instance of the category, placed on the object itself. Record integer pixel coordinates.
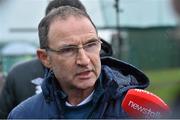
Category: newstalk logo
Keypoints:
(148, 113)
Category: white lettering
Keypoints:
(148, 113)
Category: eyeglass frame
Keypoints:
(75, 47)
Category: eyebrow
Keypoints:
(65, 45)
(93, 39)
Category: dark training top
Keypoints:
(115, 79)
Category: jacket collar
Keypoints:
(124, 73)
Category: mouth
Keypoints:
(84, 74)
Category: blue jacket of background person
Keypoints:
(116, 78)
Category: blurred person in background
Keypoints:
(24, 79)
(79, 84)
(22, 82)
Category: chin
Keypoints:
(87, 85)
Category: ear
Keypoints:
(43, 56)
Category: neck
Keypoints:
(77, 96)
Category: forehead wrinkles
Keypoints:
(71, 26)
(62, 19)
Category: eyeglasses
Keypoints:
(72, 50)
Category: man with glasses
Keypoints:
(25, 78)
(18, 86)
(79, 84)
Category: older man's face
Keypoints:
(77, 64)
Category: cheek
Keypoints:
(62, 67)
(97, 65)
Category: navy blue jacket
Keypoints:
(116, 78)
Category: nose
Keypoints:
(82, 58)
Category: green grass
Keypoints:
(165, 83)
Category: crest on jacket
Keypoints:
(37, 82)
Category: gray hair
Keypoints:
(62, 13)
